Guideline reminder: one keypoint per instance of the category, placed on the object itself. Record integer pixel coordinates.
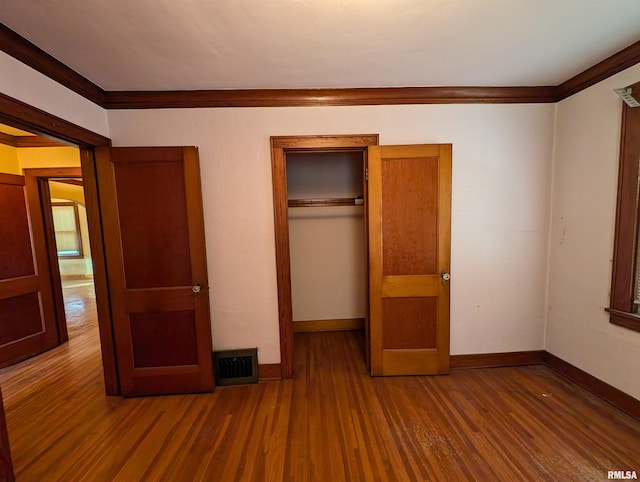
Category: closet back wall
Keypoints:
(327, 244)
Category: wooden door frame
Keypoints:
(35, 182)
(24, 116)
(280, 146)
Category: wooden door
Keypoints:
(409, 254)
(151, 208)
(6, 464)
(27, 311)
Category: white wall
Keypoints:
(501, 192)
(25, 84)
(581, 244)
(327, 248)
(326, 244)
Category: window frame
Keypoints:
(80, 254)
(621, 308)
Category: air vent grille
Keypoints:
(236, 367)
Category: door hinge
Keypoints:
(366, 175)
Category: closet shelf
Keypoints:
(341, 201)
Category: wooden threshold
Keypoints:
(344, 324)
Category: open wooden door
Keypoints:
(409, 254)
(27, 311)
(151, 208)
(6, 463)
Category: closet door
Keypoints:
(409, 221)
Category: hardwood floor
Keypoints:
(331, 423)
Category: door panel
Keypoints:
(27, 313)
(409, 224)
(409, 249)
(151, 206)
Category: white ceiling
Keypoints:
(238, 44)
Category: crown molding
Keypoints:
(625, 58)
(26, 52)
(21, 49)
(328, 97)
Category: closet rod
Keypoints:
(341, 201)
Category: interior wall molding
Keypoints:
(269, 371)
(26, 52)
(25, 117)
(328, 97)
(28, 141)
(491, 360)
(594, 385)
(21, 49)
(603, 390)
(619, 61)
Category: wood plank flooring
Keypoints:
(331, 423)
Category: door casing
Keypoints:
(35, 182)
(280, 146)
(23, 116)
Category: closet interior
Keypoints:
(327, 241)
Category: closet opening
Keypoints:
(320, 205)
(327, 242)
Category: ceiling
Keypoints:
(260, 44)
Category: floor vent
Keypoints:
(236, 367)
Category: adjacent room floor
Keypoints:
(331, 423)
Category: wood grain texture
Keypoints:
(28, 141)
(36, 58)
(98, 260)
(374, 243)
(490, 360)
(627, 218)
(409, 193)
(37, 179)
(279, 148)
(594, 385)
(23, 116)
(328, 325)
(332, 422)
(129, 225)
(328, 97)
(28, 321)
(21, 49)
(409, 323)
(409, 216)
(311, 203)
(7, 139)
(269, 371)
(6, 464)
(15, 244)
(42, 185)
(613, 64)
(283, 261)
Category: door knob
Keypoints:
(445, 277)
(196, 288)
